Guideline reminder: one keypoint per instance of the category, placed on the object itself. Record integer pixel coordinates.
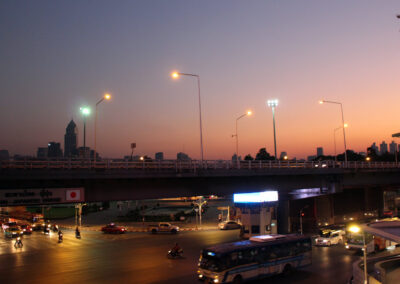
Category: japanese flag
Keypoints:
(73, 194)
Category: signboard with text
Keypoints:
(36, 196)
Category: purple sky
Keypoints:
(56, 56)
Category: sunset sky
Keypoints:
(56, 56)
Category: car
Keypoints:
(164, 228)
(13, 232)
(113, 229)
(229, 225)
(329, 237)
(26, 229)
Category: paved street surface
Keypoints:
(139, 258)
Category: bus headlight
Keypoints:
(200, 275)
(347, 247)
(216, 280)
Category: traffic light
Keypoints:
(302, 214)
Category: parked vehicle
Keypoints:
(164, 228)
(113, 229)
(229, 225)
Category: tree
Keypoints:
(263, 155)
(248, 158)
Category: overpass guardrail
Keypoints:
(193, 165)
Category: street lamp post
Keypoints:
(273, 104)
(105, 97)
(199, 203)
(344, 132)
(334, 138)
(176, 75)
(85, 112)
(236, 134)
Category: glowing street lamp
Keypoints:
(248, 113)
(356, 229)
(106, 97)
(85, 112)
(273, 104)
(176, 75)
(368, 159)
(334, 137)
(344, 132)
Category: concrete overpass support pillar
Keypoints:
(284, 226)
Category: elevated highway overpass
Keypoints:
(116, 180)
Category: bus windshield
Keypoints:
(210, 261)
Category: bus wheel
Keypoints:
(237, 280)
(287, 270)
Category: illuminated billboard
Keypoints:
(255, 197)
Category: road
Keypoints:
(140, 258)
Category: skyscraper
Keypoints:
(71, 140)
(383, 148)
(320, 151)
(392, 147)
(374, 147)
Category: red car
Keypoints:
(113, 229)
(26, 229)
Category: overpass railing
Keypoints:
(191, 165)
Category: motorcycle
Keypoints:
(18, 243)
(77, 234)
(55, 228)
(175, 254)
(60, 238)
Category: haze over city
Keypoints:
(57, 57)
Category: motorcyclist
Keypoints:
(55, 228)
(60, 236)
(176, 249)
(18, 242)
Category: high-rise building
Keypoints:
(383, 148)
(392, 147)
(42, 152)
(159, 156)
(54, 150)
(374, 147)
(320, 151)
(71, 140)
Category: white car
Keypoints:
(229, 225)
(329, 237)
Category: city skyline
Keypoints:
(244, 54)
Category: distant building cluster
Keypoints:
(383, 148)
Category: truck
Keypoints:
(164, 228)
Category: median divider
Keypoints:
(137, 229)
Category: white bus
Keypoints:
(258, 257)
